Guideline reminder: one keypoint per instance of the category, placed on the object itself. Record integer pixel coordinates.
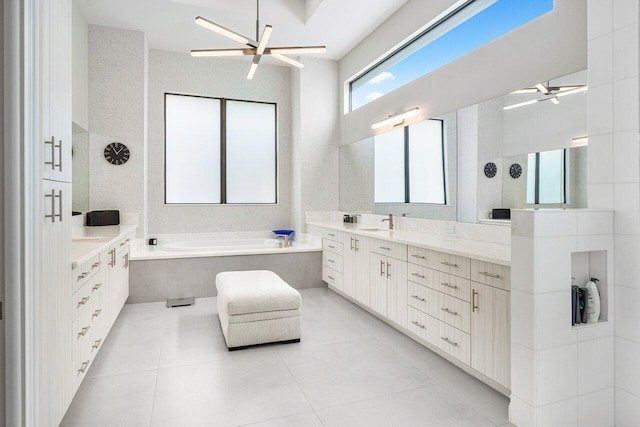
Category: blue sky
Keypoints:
(488, 25)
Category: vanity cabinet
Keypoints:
(356, 267)
(490, 332)
(388, 281)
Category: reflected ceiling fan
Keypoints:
(551, 93)
(255, 48)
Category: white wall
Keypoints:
(315, 157)
(80, 68)
(117, 74)
(2, 225)
(614, 180)
(180, 73)
(550, 46)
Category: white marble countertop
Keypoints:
(89, 241)
(476, 249)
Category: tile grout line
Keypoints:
(155, 387)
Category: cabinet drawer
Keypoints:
(338, 236)
(81, 300)
(453, 311)
(84, 272)
(495, 275)
(455, 342)
(447, 263)
(332, 278)
(391, 249)
(443, 282)
(332, 260)
(417, 297)
(332, 246)
(423, 257)
(423, 325)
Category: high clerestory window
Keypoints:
(219, 151)
(471, 24)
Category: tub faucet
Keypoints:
(287, 242)
(390, 219)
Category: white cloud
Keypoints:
(374, 95)
(382, 77)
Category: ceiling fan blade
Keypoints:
(203, 53)
(254, 66)
(298, 50)
(287, 60)
(525, 90)
(225, 31)
(264, 39)
(542, 88)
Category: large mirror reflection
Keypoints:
(521, 150)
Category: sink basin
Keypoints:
(371, 229)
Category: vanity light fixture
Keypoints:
(397, 119)
(255, 48)
(581, 141)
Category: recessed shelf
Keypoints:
(587, 265)
(588, 325)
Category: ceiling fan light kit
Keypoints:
(255, 48)
(551, 93)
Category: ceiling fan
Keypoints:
(255, 48)
(551, 93)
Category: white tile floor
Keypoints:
(170, 367)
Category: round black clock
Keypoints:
(515, 171)
(116, 153)
(490, 170)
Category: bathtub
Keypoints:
(220, 245)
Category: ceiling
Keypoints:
(169, 24)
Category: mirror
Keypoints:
(547, 121)
(80, 156)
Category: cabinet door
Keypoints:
(378, 283)
(490, 332)
(397, 291)
(361, 269)
(349, 261)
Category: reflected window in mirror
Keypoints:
(409, 164)
(547, 177)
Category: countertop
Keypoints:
(476, 249)
(89, 241)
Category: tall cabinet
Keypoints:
(54, 350)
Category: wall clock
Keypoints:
(490, 170)
(515, 171)
(116, 153)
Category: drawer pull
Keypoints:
(418, 298)
(418, 275)
(474, 306)
(446, 310)
(96, 313)
(83, 275)
(331, 234)
(95, 265)
(419, 256)
(84, 367)
(83, 301)
(448, 341)
(448, 264)
(486, 273)
(96, 286)
(97, 343)
(331, 246)
(417, 324)
(125, 242)
(330, 260)
(84, 331)
(388, 270)
(385, 248)
(448, 285)
(331, 277)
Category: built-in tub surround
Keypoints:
(185, 265)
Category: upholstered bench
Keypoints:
(257, 307)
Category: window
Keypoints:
(409, 164)
(472, 25)
(219, 151)
(547, 177)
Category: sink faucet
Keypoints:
(390, 219)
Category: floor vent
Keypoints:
(180, 302)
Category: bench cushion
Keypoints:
(258, 291)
